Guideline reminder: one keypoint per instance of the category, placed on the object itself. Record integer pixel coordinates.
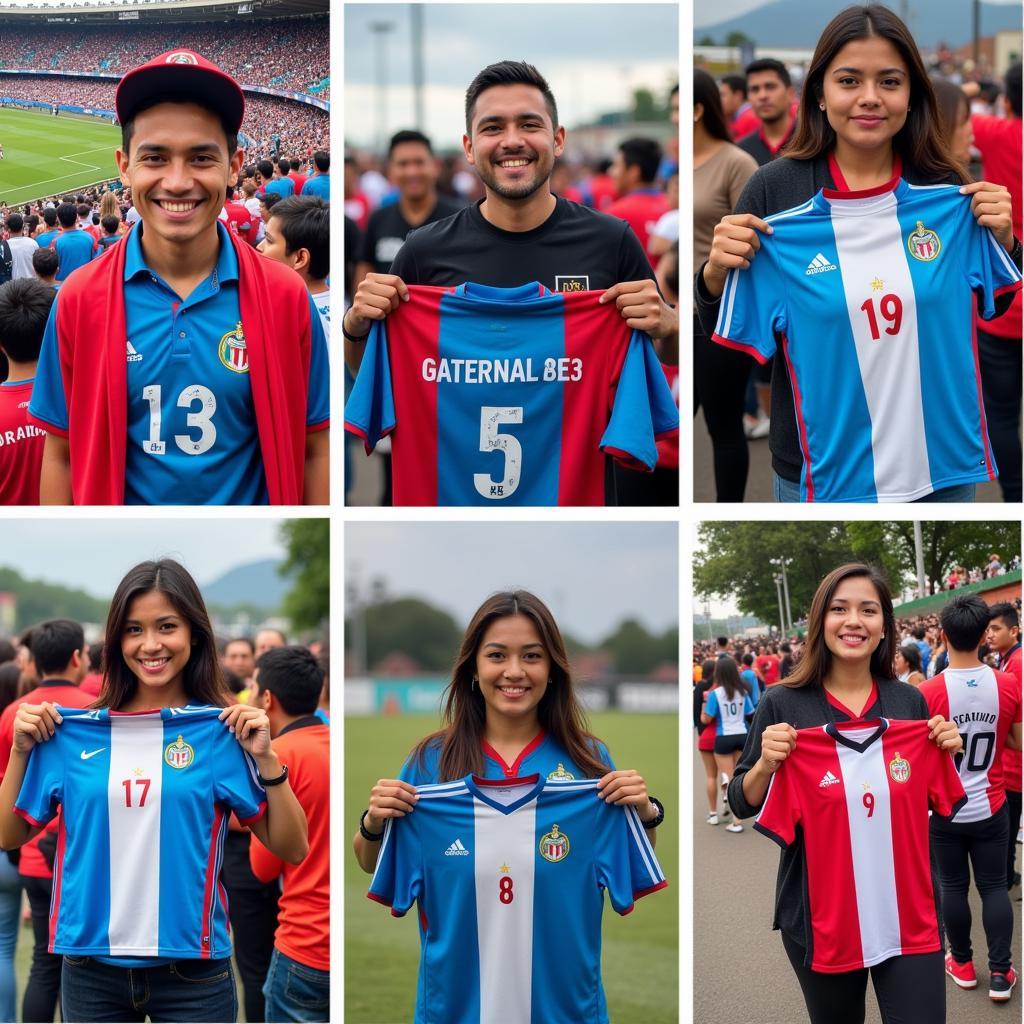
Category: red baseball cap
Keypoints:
(180, 73)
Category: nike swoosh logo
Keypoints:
(92, 753)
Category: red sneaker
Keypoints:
(963, 974)
(1000, 985)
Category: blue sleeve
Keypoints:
(421, 773)
(318, 400)
(748, 707)
(42, 789)
(989, 269)
(711, 707)
(370, 409)
(605, 756)
(48, 402)
(643, 408)
(626, 863)
(236, 779)
(753, 307)
(398, 878)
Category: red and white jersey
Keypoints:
(983, 704)
(860, 793)
(1010, 663)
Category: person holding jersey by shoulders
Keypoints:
(729, 706)
(844, 675)
(867, 128)
(124, 961)
(510, 710)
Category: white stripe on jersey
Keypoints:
(505, 930)
(136, 756)
(874, 875)
(979, 700)
(870, 249)
(636, 826)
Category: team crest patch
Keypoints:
(554, 846)
(179, 754)
(181, 57)
(561, 775)
(232, 351)
(924, 244)
(572, 282)
(899, 768)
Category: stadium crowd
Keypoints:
(274, 913)
(279, 54)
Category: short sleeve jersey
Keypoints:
(192, 436)
(869, 299)
(730, 714)
(21, 446)
(508, 396)
(146, 800)
(859, 793)
(74, 249)
(983, 704)
(510, 878)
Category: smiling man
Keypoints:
(182, 367)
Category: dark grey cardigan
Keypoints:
(804, 708)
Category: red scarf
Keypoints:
(92, 341)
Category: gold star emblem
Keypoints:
(505, 869)
(867, 786)
(877, 285)
(136, 771)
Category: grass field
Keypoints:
(640, 959)
(46, 155)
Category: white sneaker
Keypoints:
(712, 818)
(734, 827)
(724, 780)
(756, 426)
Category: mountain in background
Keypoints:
(255, 585)
(793, 24)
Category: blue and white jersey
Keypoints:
(543, 755)
(730, 713)
(146, 799)
(509, 877)
(869, 298)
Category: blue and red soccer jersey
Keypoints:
(509, 877)
(869, 298)
(508, 396)
(146, 800)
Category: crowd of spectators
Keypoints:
(290, 53)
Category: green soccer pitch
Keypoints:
(640, 951)
(46, 155)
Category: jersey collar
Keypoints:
(478, 787)
(226, 268)
(842, 189)
(511, 771)
(877, 726)
(840, 706)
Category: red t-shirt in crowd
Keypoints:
(299, 180)
(1012, 758)
(239, 221)
(21, 447)
(641, 210)
(768, 666)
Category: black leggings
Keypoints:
(910, 989)
(1000, 361)
(984, 844)
(1013, 802)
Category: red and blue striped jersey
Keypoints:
(146, 801)
(508, 396)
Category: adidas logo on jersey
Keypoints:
(456, 850)
(828, 779)
(819, 265)
(133, 356)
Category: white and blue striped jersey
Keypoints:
(869, 298)
(146, 799)
(730, 713)
(509, 876)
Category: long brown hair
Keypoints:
(919, 142)
(202, 678)
(816, 662)
(559, 712)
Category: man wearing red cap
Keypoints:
(182, 367)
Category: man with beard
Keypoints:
(520, 232)
(770, 92)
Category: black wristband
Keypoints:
(274, 782)
(372, 837)
(357, 338)
(656, 821)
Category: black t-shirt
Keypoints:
(575, 249)
(387, 230)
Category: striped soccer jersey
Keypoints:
(508, 875)
(983, 704)
(869, 297)
(508, 396)
(859, 793)
(146, 799)
(730, 715)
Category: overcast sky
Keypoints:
(710, 12)
(95, 554)
(591, 575)
(593, 56)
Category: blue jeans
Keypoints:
(10, 917)
(789, 490)
(295, 992)
(182, 991)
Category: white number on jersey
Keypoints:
(202, 419)
(491, 418)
